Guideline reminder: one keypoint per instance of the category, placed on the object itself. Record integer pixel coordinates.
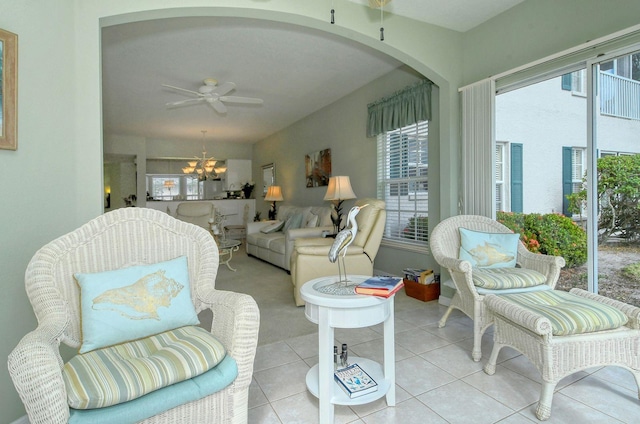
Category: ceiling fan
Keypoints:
(214, 95)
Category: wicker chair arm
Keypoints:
(518, 315)
(35, 366)
(455, 265)
(236, 322)
(548, 265)
(632, 312)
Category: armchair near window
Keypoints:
(118, 240)
(310, 256)
(445, 242)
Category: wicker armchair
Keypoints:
(445, 245)
(118, 239)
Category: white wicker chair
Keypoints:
(114, 240)
(445, 245)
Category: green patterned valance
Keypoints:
(405, 107)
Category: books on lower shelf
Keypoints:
(355, 381)
(380, 286)
(422, 276)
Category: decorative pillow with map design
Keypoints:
(489, 250)
(132, 303)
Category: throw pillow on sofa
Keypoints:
(272, 228)
(293, 222)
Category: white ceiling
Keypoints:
(296, 70)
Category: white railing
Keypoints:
(619, 96)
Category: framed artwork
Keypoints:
(318, 168)
(268, 177)
(8, 90)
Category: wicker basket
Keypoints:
(424, 292)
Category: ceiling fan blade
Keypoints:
(236, 99)
(185, 102)
(218, 106)
(224, 88)
(182, 89)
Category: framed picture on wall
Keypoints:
(318, 168)
(8, 90)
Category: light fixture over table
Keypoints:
(205, 168)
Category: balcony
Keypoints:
(619, 96)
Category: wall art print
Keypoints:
(318, 168)
(8, 90)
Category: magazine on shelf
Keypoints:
(380, 286)
(355, 381)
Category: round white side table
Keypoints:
(349, 311)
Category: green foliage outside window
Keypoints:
(417, 229)
(618, 198)
(549, 234)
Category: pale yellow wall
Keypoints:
(53, 183)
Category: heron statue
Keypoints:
(344, 238)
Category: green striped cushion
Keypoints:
(568, 313)
(123, 372)
(506, 278)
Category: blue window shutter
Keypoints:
(566, 82)
(516, 177)
(567, 181)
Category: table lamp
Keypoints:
(274, 194)
(339, 190)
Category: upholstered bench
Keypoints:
(562, 333)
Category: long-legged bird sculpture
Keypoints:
(343, 240)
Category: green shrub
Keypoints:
(549, 234)
(417, 229)
(618, 197)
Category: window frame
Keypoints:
(403, 183)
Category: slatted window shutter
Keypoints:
(403, 183)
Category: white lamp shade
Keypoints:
(339, 189)
(274, 194)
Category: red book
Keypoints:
(380, 286)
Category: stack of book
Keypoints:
(380, 286)
(355, 381)
(421, 276)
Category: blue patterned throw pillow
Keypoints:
(489, 250)
(132, 303)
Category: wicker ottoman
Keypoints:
(556, 345)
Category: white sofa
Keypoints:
(297, 222)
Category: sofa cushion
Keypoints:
(134, 302)
(123, 372)
(277, 245)
(489, 250)
(264, 240)
(568, 313)
(272, 228)
(156, 402)
(507, 278)
(311, 220)
(293, 222)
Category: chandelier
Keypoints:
(204, 167)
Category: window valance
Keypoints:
(404, 107)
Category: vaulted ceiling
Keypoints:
(295, 70)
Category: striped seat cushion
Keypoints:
(123, 372)
(506, 278)
(568, 313)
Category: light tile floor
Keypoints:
(436, 380)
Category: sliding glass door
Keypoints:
(550, 133)
(615, 154)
